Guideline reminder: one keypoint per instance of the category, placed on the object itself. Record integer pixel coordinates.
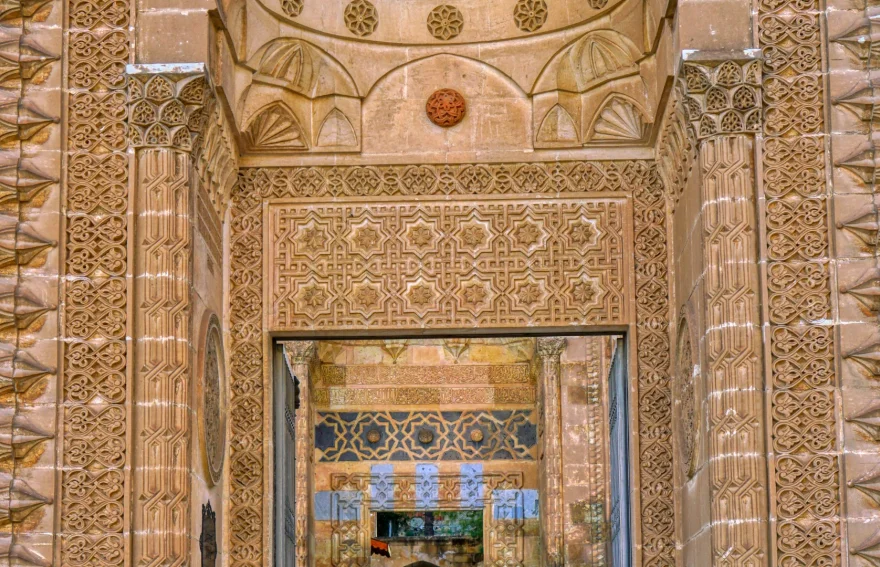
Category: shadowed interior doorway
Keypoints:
(452, 452)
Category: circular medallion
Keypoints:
(445, 22)
(214, 402)
(373, 436)
(476, 436)
(426, 436)
(687, 401)
(361, 18)
(446, 108)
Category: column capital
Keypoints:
(165, 103)
(551, 347)
(300, 352)
(722, 92)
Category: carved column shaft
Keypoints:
(734, 344)
(300, 358)
(162, 290)
(550, 409)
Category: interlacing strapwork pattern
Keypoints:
(446, 264)
(96, 291)
(806, 473)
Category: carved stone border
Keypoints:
(95, 459)
(248, 522)
(801, 365)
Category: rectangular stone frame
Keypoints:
(648, 297)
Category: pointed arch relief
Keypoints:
(620, 120)
(337, 131)
(595, 58)
(558, 127)
(275, 128)
(303, 68)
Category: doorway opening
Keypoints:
(452, 452)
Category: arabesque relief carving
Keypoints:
(802, 378)
(97, 292)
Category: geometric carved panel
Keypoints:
(447, 264)
(426, 435)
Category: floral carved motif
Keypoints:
(446, 108)
(530, 15)
(445, 22)
(361, 18)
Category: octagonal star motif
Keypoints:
(474, 236)
(474, 295)
(313, 298)
(366, 238)
(313, 240)
(421, 296)
(582, 233)
(583, 293)
(366, 298)
(527, 234)
(421, 237)
(529, 294)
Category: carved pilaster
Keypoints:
(165, 117)
(301, 355)
(549, 352)
(161, 503)
(723, 105)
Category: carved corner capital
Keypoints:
(722, 94)
(165, 105)
(551, 347)
(300, 352)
